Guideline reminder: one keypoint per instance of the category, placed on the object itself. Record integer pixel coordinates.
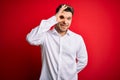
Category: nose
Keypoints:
(65, 21)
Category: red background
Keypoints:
(98, 21)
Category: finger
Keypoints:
(64, 6)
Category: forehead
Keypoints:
(67, 14)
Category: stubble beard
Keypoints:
(61, 28)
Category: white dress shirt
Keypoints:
(59, 53)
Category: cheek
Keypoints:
(69, 22)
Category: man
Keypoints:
(63, 51)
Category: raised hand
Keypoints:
(59, 15)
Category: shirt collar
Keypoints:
(55, 32)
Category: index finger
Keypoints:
(63, 7)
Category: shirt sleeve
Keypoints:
(82, 57)
(37, 35)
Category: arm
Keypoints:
(82, 57)
(36, 36)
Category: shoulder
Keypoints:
(75, 35)
(78, 39)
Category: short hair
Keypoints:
(68, 9)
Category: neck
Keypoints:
(62, 33)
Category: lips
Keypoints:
(64, 27)
(63, 24)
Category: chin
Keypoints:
(64, 30)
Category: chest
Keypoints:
(66, 44)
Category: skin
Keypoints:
(64, 20)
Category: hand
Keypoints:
(59, 15)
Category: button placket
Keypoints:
(59, 60)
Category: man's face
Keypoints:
(64, 24)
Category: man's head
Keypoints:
(65, 17)
(68, 9)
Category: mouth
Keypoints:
(63, 24)
(63, 27)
